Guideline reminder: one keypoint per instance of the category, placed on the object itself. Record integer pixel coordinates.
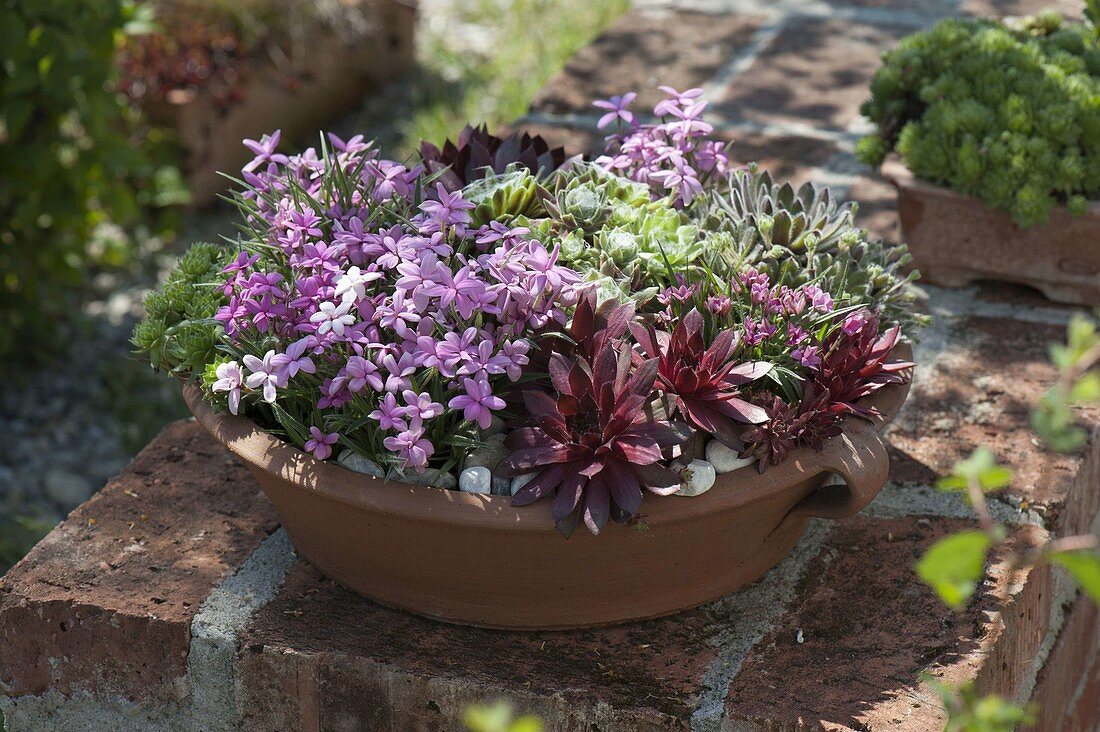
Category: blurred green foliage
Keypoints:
(17, 535)
(73, 159)
(499, 718)
(1053, 417)
(1010, 115)
(955, 565)
(529, 40)
(969, 712)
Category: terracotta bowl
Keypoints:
(956, 240)
(477, 560)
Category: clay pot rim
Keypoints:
(262, 451)
(898, 173)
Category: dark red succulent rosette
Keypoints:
(702, 382)
(854, 366)
(595, 442)
(476, 153)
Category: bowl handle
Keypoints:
(859, 457)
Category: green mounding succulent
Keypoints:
(804, 235)
(1010, 115)
(179, 333)
(476, 152)
(505, 197)
(610, 229)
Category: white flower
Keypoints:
(230, 379)
(353, 284)
(264, 374)
(333, 317)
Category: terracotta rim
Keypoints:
(858, 455)
(898, 173)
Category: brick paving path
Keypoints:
(785, 78)
(170, 601)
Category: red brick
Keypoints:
(1067, 693)
(319, 649)
(870, 628)
(105, 602)
(981, 391)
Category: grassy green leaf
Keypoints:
(982, 467)
(953, 566)
(498, 718)
(1087, 388)
(1085, 568)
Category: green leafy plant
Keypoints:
(1053, 418)
(954, 565)
(610, 228)
(70, 156)
(1008, 114)
(179, 333)
(17, 535)
(499, 717)
(969, 712)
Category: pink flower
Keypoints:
(400, 369)
(390, 415)
(420, 406)
(477, 402)
(362, 373)
(854, 323)
(675, 100)
(230, 379)
(616, 108)
(295, 360)
(810, 356)
(412, 448)
(264, 150)
(449, 210)
(819, 299)
(321, 444)
(795, 335)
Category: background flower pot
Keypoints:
(956, 239)
(477, 560)
(331, 77)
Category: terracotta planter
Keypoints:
(333, 78)
(956, 240)
(477, 560)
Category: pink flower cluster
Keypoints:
(779, 321)
(392, 306)
(674, 155)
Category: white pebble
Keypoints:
(477, 479)
(834, 479)
(724, 459)
(521, 480)
(360, 464)
(697, 478)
